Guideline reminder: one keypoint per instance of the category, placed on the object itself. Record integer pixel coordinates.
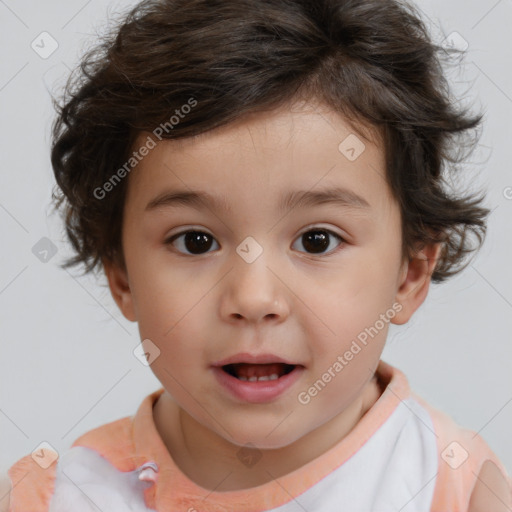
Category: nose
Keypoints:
(254, 292)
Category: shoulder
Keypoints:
(470, 473)
(119, 430)
(33, 482)
(113, 441)
(492, 491)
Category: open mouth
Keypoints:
(258, 372)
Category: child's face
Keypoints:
(201, 300)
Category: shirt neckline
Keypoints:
(175, 489)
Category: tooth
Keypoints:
(253, 378)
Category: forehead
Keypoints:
(262, 159)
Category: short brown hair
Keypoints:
(373, 61)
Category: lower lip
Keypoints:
(257, 392)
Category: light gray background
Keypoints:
(66, 360)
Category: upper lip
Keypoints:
(245, 357)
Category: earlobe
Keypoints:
(120, 289)
(415, 281)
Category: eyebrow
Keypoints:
(296, 199)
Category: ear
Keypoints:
(120, 289)
(415, 281)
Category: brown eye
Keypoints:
(317, 241)
(192, 242)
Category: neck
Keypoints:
(214, 463)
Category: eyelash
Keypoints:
(170, 241)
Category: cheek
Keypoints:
(352, 311)
(163, 293)
(358, 295)
(345, 360)
(170, 295)
(169, 319)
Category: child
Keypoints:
(261, 128)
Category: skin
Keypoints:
(305, 307)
